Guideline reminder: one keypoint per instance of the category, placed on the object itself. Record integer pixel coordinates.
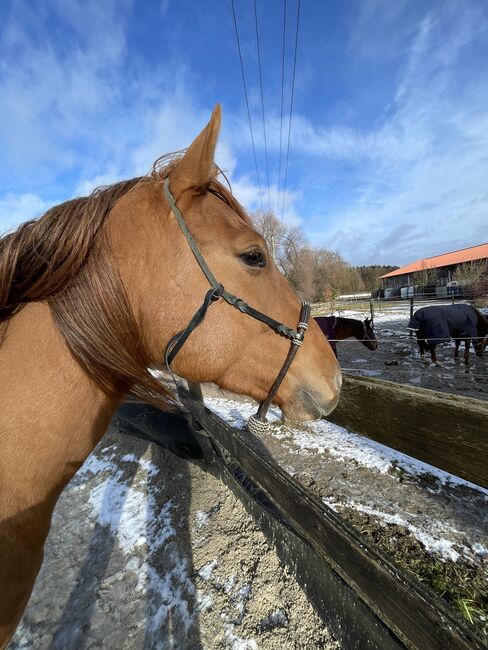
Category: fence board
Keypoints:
(444, 430)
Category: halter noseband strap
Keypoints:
(257, 423)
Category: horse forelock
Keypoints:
(164, 165)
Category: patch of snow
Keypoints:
(229, 584)
(432, 544)
(275, 619)
(480, 549)
(324, 436)
(364, 371)
(126, 503)
(204, 601)
(206, 571)
(237, 642)
(202, 518)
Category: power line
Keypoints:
(291, 105)
(282, 94)
(262, 101)
(247, 105)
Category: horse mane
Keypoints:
(63, 258)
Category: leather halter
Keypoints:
(257, 423)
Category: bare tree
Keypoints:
(284, 243)
(472, 276)
(270, 227)
(312, 272)
(426, 276)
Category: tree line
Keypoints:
(317, 274)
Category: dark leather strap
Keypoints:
(228, 297)
(175, 344)
(264, 406)
(217, 291)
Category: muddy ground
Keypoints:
(148, 551)
(433, 524)
(397, 359)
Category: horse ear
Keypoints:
(195, 168)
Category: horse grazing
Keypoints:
(90, 295)
(338, 329)
(441, 323)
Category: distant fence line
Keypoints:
(379, 305)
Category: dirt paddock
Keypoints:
(148, 551)
(397, 358)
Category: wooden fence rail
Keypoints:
(444, 430)
(368, 600)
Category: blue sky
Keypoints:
(389, 143)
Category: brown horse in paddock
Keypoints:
(336, 329)
(90, 294)
(441, 323)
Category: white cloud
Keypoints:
(79, 114)
(17, 208)
(424, 189)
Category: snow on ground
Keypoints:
(387, 313)
(147, 550)
(321, 441)
(433, 543)
(135, 519)
(321, 435)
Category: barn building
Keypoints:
(402, 282)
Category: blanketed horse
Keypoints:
(336, 329)
(441, 323)
(90, 295)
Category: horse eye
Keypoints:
(254, 258)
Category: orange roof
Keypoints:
(456, 257)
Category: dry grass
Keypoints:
(461, 585)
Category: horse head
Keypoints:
(369, 340)
(482, 330)
(166, 286)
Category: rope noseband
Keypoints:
(257, 423)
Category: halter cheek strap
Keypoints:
(257, 423)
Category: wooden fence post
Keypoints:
(411, 313)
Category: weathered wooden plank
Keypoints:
(444, 430)
(341, 609)
(411, 612)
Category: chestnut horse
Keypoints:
(336, 329)
(90, 294)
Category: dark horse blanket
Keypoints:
(326, 324)
(441, 323)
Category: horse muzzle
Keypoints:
(309, 403)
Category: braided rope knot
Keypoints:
(297, 341)
(302, 325)
(257, 426)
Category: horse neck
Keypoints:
(52, 414)
(347, 327)
(482, 324)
